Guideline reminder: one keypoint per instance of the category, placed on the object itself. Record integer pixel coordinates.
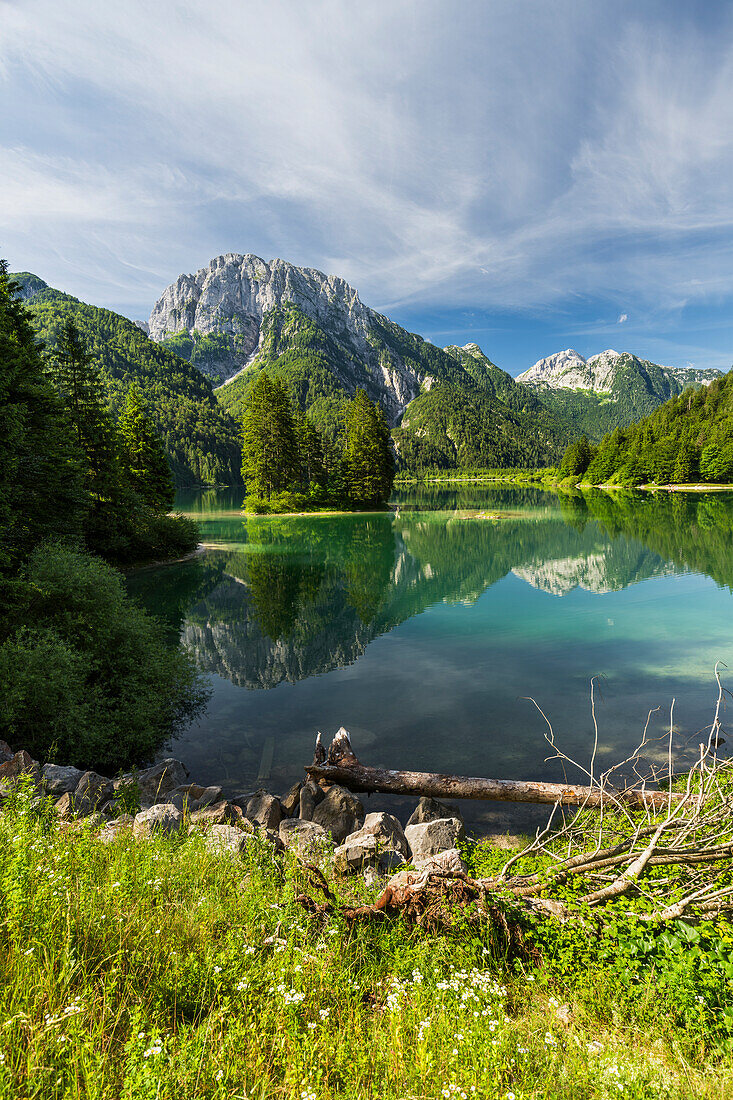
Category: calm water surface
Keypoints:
(425, 629)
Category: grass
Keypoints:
(142, 970)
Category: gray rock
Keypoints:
(116, 828)
(6, 753)
(264, 809)
(160, 818)
(388, 832)
(91, 792)
(390, 860)
(185, 796)
(290, 802)
(20, 763)
(431, 837)
(210, 797)
(221, 813)
(445, 861)
(357, 849)
(226, 839)
(340, 813)
(65, 805)
(429, 809)
(156, 783)
(57, 780)
(310, 797)
(304, 837)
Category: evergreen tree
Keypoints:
(576, 459)
(143, 456)
(78, 382)
(310, 447)
(270, 459)
(41, 491)
(367, 453)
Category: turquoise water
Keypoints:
(425, 629)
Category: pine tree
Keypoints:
(41, 491)
(367, 454)
(270, 461)
(576, 459)
(144, 460)
(311, 451)
(77, 380)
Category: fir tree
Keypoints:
(143, 456)
(367, 454)
(78, 383)
(311, 451)
(270, 460)
(576, 459)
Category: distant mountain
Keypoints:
(201, 440)
(449, 408)
(609, 390)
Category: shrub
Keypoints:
(90, 678)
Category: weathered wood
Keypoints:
(342, 766)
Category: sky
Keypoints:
(526, 175)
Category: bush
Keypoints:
(138, 534)
(92, 682)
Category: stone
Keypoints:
(340, 813)
(64, 806)
(290, 802)
(6, 753)
(431, 837)
(310, 797)
(209, 797)
(221, 813)
(388, 832)
(271, 837)
(264, 809)
(358, 849)
(157, 782)
(91, 792)
(390, 860)
(160, 818)
(429, 809)
(185, 796)
(20, 763)
(58, 780)
(446, 861)
(118, 827)
(226, 839)
(304, 837)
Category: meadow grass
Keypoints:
(141, 969)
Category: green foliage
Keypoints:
(270, 459)
(576, 459)
(374, 1009)
(690, 438)
(89, 677)
(145, 464)
(368, 462)
(200, 440)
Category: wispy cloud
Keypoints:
(622, 318)
(487, 155)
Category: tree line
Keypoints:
(688, 439)
(289, 465)
(86, 676)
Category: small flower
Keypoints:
(219, 1075)
(594, 1047)
(217, 970)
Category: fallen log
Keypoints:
(341, 765)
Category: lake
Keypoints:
(425, 629)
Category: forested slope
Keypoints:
(201, 440)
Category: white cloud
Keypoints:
(487, 155)
(622, 317)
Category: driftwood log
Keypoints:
(340, 765)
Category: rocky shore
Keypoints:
(313, 821)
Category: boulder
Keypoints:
(264, 809)
(340, 813)
(446, 861)
(185, 796)
(429, 809)
(388, 832)
(20, 763)
(58, 780)
(271, 837)
(116, 828)
(65, 805)
(226, 839)
(389, 861)
(290, 802)
(221, 813)
(358, 849)
(160, 818)
(431, 837)
(310, 797)
(209, 797)
(304, 837)
(6, 753)
(91, 792)
(156, 783)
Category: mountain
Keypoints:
(201, 440)
(609, 390)
(687, 439)
(449, 408)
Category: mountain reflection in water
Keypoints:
(286, 600)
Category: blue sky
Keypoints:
(527, 175)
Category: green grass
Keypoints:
(141, 970)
